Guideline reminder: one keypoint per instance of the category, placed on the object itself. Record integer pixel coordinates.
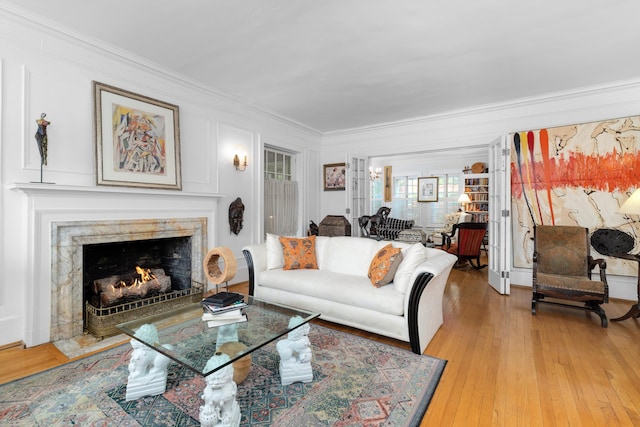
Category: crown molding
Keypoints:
(497, 107)
(42, 24)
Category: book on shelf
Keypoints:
(215, 323)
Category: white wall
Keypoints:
(480, 126)
(45, 70)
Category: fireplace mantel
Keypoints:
(46, 206)
(37, 188)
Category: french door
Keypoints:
(357, 181)
(499, 216)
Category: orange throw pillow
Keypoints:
(384, 265)
(299, 253)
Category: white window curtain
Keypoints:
(281, 207)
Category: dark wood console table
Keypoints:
(634, 311)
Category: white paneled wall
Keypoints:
(47, 70)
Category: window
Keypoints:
(448, 193)
(278, 165)
(280, 193)
(377, 191)
(404, 203)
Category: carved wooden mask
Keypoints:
(236, 213)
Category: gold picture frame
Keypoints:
(137, 140)
(335, 176)
(428, 189)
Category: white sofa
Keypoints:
(408, 309)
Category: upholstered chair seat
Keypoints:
(562, 267)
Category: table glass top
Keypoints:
(187, 339)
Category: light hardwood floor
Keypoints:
(505, 367)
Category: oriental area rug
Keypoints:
(356, 382)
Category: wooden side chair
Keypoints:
(470, 239)
(562, 266)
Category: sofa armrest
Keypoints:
(415, 295)
(423, 302)
(439, 262)
(256, 258)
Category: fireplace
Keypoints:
(129, 279)
(102, 260)
(84, 251)
(53, 222)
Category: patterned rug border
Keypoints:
(110, 367)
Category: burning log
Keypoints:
(106, 283)
(114, 290)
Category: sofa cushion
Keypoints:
(348, 255)
(275, 255)
(299, 253)
(343, 288)
(413, 256)
(384, 265)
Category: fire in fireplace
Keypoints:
(117, 289)
(123, 280)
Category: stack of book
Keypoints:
(223, 299)
(219, 313)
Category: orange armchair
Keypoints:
(470, 238)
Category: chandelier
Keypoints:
(374, 173)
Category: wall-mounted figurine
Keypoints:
(236, 213)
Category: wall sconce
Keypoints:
(237, 165)
(374, 173)
(463, 200)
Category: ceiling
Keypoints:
(332, 65)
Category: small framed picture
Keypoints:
(428, 189)
(335, 176)
(137, 140)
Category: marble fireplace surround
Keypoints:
(58, 219)
(67, 240)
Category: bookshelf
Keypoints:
(477, 188)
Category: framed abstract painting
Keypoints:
(137, 140)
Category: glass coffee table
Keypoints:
(173, 336)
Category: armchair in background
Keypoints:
(450, 219)
(562, 266)
(470, 238)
